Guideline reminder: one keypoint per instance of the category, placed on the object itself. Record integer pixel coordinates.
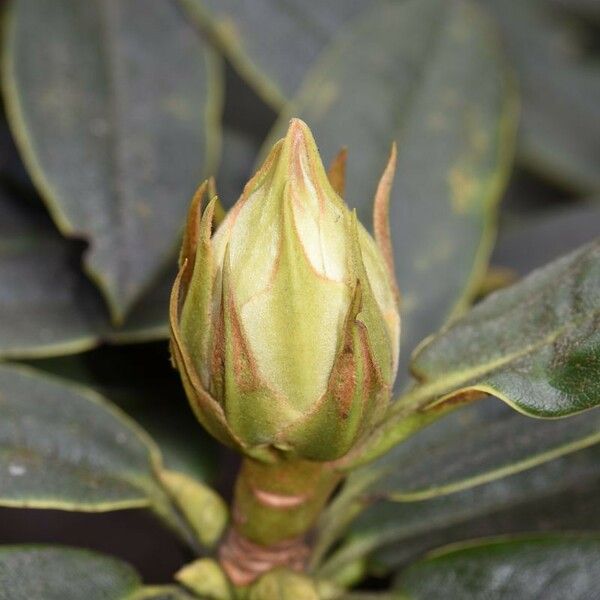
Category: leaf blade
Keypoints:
(545, 363)
(544, 566)
(473, 446)
(53, 572)
(49, 461)
(389, 534)
(106, 139)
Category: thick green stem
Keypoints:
(279, 502)
(275, 506)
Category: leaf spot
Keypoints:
(16, 470)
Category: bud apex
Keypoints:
(285, 325)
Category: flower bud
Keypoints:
(285, 325)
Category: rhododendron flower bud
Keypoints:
(285, 320)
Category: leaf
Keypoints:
(236, 167)
(532, 242)
(560, 132)
(48, 306)
(61, 573)
(141, 381)
(549, 567)
(558, 494)
(471, 446)
(271, 43)
(587, 8)
(501, 443)
(205, 577)
(576, 509)
(115, 115)
(64, 447)
(147, 320)
(433, 80)
(203, 508)
(535, 345)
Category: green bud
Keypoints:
(283, 584)
(205, 578)
(203, 508)
(285, 323)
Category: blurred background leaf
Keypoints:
(116, 115)
(560, 93)
(274, 59)
(142, 382)
(546, 40)
(64, 447)
(558, 495)
(31, 571)
(528, 568)
(47, 305)
(472, 446)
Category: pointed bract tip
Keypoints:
(190, 233)
(381, 218)
(337, 172)
(299, 137)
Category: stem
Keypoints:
(275, 506)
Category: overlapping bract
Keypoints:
(285, 325)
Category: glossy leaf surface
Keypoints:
(472, 446)
(559, 494)
(535, 345)
(61, 573)
(64, 447)
(553, 568)
(115, 116)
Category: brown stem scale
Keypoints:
(275, 506)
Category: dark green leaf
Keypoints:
(60, 573)
(472, 446)
(574, 510)
(114, 111)
(236, 168)
(141, 381)
(147, 320)
(64, 447)
(549, 567)
(433, 79)
(47, 306)
(531, 242)
(587, 8)
(273, 43)
(492, 443)
(535, 345)
(560, 128)
(558, 494)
